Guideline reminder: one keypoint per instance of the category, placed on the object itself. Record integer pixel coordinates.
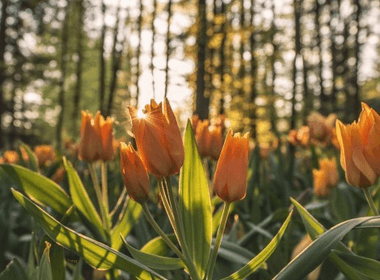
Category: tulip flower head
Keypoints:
(45, 155)
(230, 180)
(96, 140)
(158, 139)
(134, 173)
(215, 143)
(202, 137)
(11, 157)
(360, 148)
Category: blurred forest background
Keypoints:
(265, 64)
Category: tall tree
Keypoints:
(116, 55)
(63, 58)
(202, 102)
(355, 82)
(138, 54)
(79, 66)
(102, 67)
(318, 38)
(325, 108)
(4, 16)
(297, 51)
(253, 93)
(152, 55)
(272, 91)
(168, 49)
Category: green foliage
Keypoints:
(195, 204)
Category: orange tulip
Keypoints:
(360, 148)
(158, 139)
(264, 150)
(45, 154)
(329, 168)
(96, 141)
(202, 137)
(134, 173)
(230, 179)
(215, 143)
(11, 157)
(320, 183)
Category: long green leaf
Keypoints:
(368, 267)
(154, 261)
(129, 219)
(39, 188)
(260, 259)
(33, 161)
(93, 252)
(44, 269)
(81, 198)
(319, 250)
(234, 253)
(57, 258)
(195, 204)
(157, 246)
(13, 271)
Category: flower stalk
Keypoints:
(370, 201)
(218, 241)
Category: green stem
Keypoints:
(187, 262)
(119, 202)
(218, 241)
(105, 195)
(167, 207)
(370, 202)
(180, 229)
(98, 193)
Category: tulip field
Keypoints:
(200, 202)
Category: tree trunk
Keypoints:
(325, 108)
(202, 102)
(168, 50)
(102, 67)
(297, 39)
(222, 57)
(116, 55)
(272, 95)
(152, 55)
(139, 29)
(253, 93)
(61, 96)
(322, 93)
(356, 97)
(78, 85)
(4, 16)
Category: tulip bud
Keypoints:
(215, 143)
(360, 148)
(96, 140)
(320, 183)
(134, 173)
(329, 168)
(230, 179)
(203, 138)
(158, 139)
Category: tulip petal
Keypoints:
(344, 138)
(358, 155)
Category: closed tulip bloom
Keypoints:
(215, 143)
(230, 179)
(202, 137)
(134, 173)
(158, 139)
(320, 183)
(96, 141)
(360, 148)
(329, 168)
(104, 129)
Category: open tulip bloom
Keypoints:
(360, 151)
(195, 237)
